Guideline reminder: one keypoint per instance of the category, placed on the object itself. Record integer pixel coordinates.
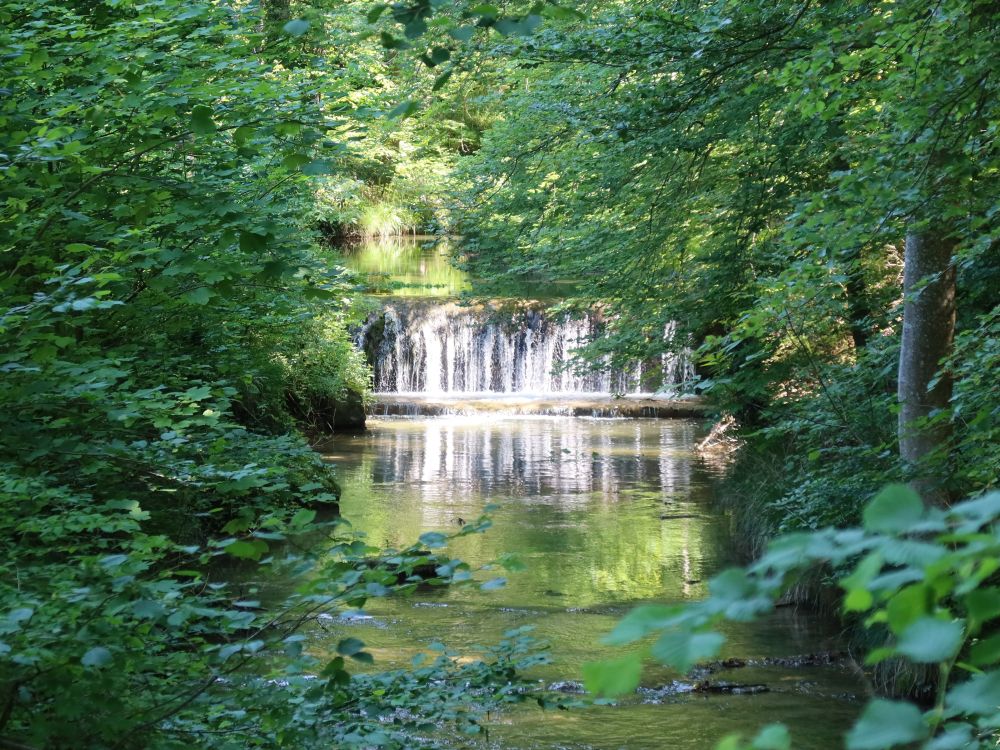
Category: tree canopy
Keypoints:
(802, 193)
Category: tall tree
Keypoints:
(928, 333)
(750, 170)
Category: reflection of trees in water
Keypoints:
(540, 457)
(581, 501)
(407, 266)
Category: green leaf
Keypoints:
(297, 27)
(983, 604)
(858, 600)
(642, 621)
(147, 609)
(562, 13)
(683, 650)
(773, 737)
(391, 42)
(97, 657)
(731, 585)
(295, 161)
(986, 651)
(858, 581)
(442, 79)
(462, 33)
(198, 393)
(885, 724)
(983, 509)
(350, 646)
(954, 737)
(507, 26)
(513, 563)
(895, 509)
(415, 28)
(439, 55)
(201, 120)
(242, 134)
(376, 12)
(493, 584)
(20, 614)
(615, 677)
(910, 552)
(247, 550)
(879, 655)
(907, 606)
(303, 517)
(199, 296)
(274, 269)
(252, 242)
(530, 22)
(732, 741)
(318, 167)
(403, 109)
(979, 696)
(930, 640)
(433, 539)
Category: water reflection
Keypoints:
(545, 456)
(407, 266)
(581, 499)
(605, 514)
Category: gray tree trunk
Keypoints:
(928, 334)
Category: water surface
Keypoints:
(407, 267)
(605, 514)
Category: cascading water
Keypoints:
(434, 347)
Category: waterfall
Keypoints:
(437, 347)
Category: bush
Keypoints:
(923, 576)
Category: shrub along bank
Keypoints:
(166, 317)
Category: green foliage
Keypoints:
(923, 577)
(976, 407)
(122, 638)
(167, 314)
(748, 170)
(613, 677)
(384, 220)
(772, 737)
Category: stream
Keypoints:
(605, 514)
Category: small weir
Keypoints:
(558, 405)
(440, 347)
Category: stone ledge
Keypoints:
(575, 405)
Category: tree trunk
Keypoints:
(928, 334)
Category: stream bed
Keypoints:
(605, 514)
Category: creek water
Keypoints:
(604, 514)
